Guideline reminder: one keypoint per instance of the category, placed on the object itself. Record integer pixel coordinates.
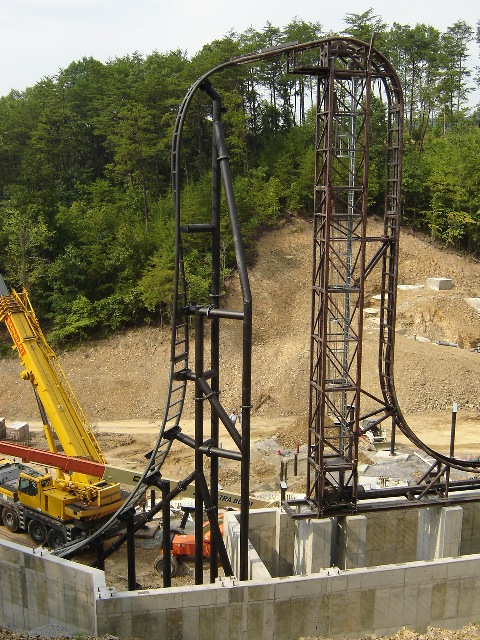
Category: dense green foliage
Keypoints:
(86, 210)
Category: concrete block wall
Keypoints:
(263, 538)
(37, 589)
(314, 544)
(380, 600)
(351, 541)
(449, 532)
(355, 541)
(391, 537)
(470, 537)
(439, 532)
(257, 570)
(285, 529)
(384, 537)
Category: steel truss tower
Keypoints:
(349, 75)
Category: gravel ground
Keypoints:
(54, 632)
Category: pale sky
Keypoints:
(40, 37)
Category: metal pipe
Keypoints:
(452, 444)
(199, 347)
(392, 438)
(100, 561)
(220, 411)
(215, 292)
(166, 535)
(211, 312)
(132, 577)
(214, 527)
(207, 449)
(246, 350)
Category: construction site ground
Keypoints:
(121, 382)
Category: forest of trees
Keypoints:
(85, 202)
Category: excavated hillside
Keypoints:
(121, 382)
(125, 376)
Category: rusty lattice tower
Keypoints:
(350, 74)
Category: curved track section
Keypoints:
(307, 58)
(379, 71)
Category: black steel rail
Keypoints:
(331, 60)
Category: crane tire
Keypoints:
(158, 565)
(10, 519)
(37, 531)
(55, 538)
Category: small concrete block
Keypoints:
(222, 597)
(337, 584)
(258, 592)
(440, 284)
(409, 287)
(285, 613)
(255, 621)
(410, 604)
(312, 624)
(174, 623)
(370, 312)
(303, 587)
(418, 573)
(474, 303)
(395, 577)
(18, 617)
(467, 588)
(369, 579)
(459, 567)
(381, 608)
(354, 580)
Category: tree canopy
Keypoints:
(86, 210)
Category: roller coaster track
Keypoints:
(348, 73)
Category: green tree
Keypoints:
(453, 214)
(415, 56)
(25, 237)
(366, 25)
(454, 87)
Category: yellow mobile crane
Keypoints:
(85, 490)
(77, 500)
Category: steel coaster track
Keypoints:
(387, 255)
(376, 68)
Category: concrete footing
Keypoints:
(440, 284)
(342, 577)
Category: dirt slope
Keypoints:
(121, 382)
(125, 377)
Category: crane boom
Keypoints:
(42, 369)
(111, 473)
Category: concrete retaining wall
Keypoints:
(361, 601)
(386, 537)
(470, 538)
(37, 588)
